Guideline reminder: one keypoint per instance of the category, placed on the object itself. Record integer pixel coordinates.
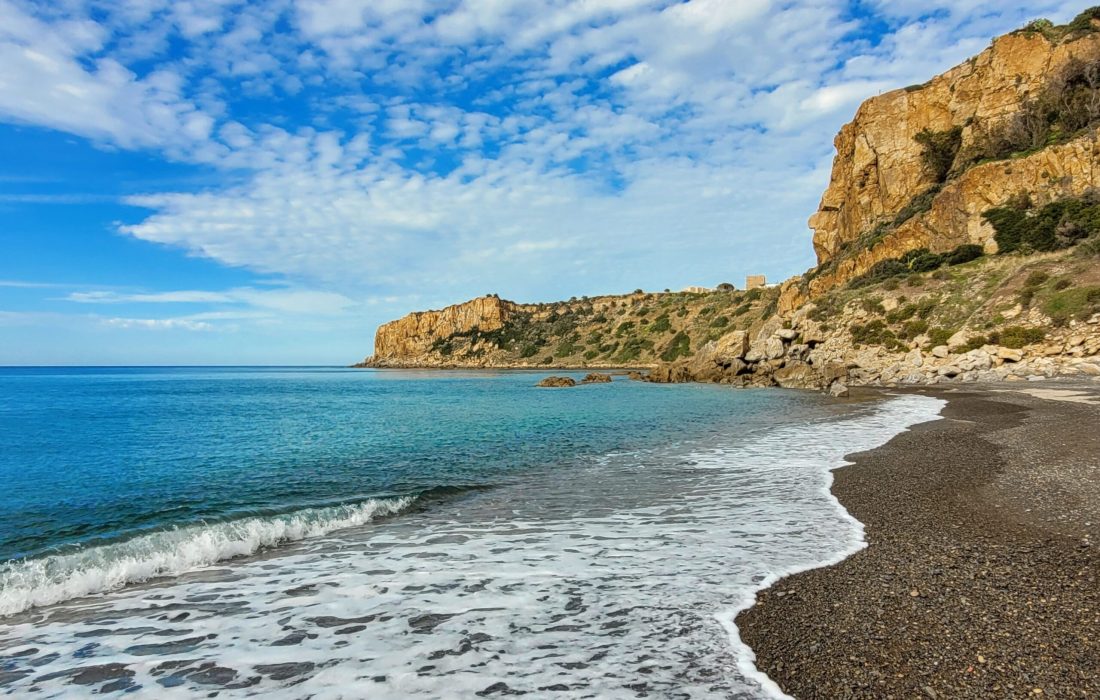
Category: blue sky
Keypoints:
(213, 181)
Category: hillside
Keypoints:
(637, 330)
(920, 167)
(958, 240)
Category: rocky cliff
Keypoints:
(415, 337)
(629, 330)
(918, 167)
(958, 240)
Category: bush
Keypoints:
(974, 343)
(679, 346)
(913, 262)
(964, 254)
(1037, 278)
(1017, 336)
(632, 349)
(918, 205)
(939, 336)
(872, 306)
(660, 325)
(875, 333)
(528, 351)
(591, 354)
(565, 349)
(624, 328)
(940, 150)
(1083, 21)
(912, 329)
(1066, 305)
(720, 322)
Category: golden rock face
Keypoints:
(879, 168)
(413, 335)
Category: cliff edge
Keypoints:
(958, 240)
(918, 167)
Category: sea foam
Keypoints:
(51, 579)
(617, 580)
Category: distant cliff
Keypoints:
(417, 338)
(958, 240)
(636, 330)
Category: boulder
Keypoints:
(1089, 369)
(799, 352)
(597, 378)
(556, 382)
(774, 348)
(839, 390)
(812, 335)
(1010, 354)
(797, 376)
(677, 373)
(915, 358)
(975, 360)
(635, 375)
(941, 351)
(730, 347)
(787, 334)
(958, 340)
(834, 372)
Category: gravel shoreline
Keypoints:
(981, 578)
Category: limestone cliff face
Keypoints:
(879, 168)
(412, 337)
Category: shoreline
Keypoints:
(980, 574)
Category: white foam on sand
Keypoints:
(613, 581)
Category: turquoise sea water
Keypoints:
(342, 533)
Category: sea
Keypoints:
(343, 533)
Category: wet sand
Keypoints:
(982, 575)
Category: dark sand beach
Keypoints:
(982, 575)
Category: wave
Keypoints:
(33, 583)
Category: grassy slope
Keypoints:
(640, 329)
(992, 298)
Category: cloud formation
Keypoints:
(422, 151)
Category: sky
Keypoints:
(225, 182)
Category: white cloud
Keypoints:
(158, 324)
(282, 300)
(416, 150)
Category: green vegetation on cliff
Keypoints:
(637, 329)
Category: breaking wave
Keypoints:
(30, 583)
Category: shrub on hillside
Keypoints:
(1017, 336)
(964, 254)
(939, 150)
(679, 346)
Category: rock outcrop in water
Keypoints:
(557, 383)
